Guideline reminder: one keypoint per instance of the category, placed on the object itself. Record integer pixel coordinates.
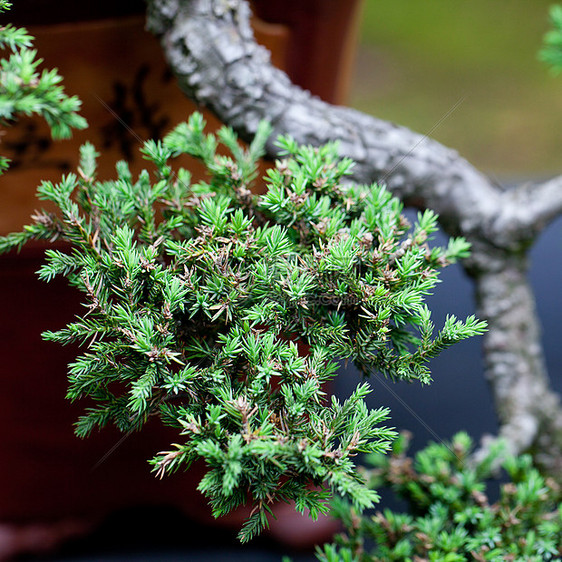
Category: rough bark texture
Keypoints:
(528, 409)
(210, 46)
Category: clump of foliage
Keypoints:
(225, 313)
(451, 516)
(551, 52)
(25, 91)
(198, 296)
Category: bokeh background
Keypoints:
(416, 60)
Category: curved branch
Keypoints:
(529, 208)
(210, 46)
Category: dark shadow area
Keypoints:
(39, 12)
(164, 533)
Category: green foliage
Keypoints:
(225, 313)
(551, 52)
(451, 516)
(26, 91)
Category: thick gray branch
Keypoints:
(211, 49)
(210, 46)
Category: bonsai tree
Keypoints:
(219, 65)
(225, 314)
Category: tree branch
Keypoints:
(529, 208)
(210, 46)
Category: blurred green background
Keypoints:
(418, 58)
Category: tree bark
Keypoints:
(529, 411)
(209, 45)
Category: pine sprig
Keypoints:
(26, 91)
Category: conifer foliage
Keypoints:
(225, 312)
(25, 91)
(453, 515)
